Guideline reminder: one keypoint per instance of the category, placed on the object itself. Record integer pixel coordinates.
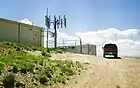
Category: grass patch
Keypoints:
(34, 71)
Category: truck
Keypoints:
(110, 49)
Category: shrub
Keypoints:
(15, 69)
(23, 70)
(1, 65)
(43, 79)
(41, 63)
(7, 43)
(34, 49)
(18, 49)
(59, 51)
(9, 81)
(117, 86)
(44, 53)
(49, 74)
(0, 71)
(30, 67)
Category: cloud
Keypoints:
(26, 21)
(128, 41)
(62, 38)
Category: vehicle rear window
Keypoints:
(110, 45)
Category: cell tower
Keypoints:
(56, 25)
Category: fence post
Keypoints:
(88, 48)
(63, 43)
(80, 46)
(75, 47)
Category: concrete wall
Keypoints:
(8, 31)
(29, 34)
(42, 38)
(89, 49)
(92, 50)
(18, 32)
(77, 49)
(86, 49)
(73, 49)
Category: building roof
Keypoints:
(16, 22)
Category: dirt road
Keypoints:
(104, 73)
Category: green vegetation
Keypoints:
(24, 69)
(117, 86)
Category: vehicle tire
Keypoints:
(115, 55)
(104, 55)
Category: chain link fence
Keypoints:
(74, 46)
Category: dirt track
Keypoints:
(104, 73)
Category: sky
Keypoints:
(82, 15)
(95, 21)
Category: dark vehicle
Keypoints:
(110, 49)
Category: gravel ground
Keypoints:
(103, 73)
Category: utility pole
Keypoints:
(47, 24)
(57, 23)
(55, 32)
